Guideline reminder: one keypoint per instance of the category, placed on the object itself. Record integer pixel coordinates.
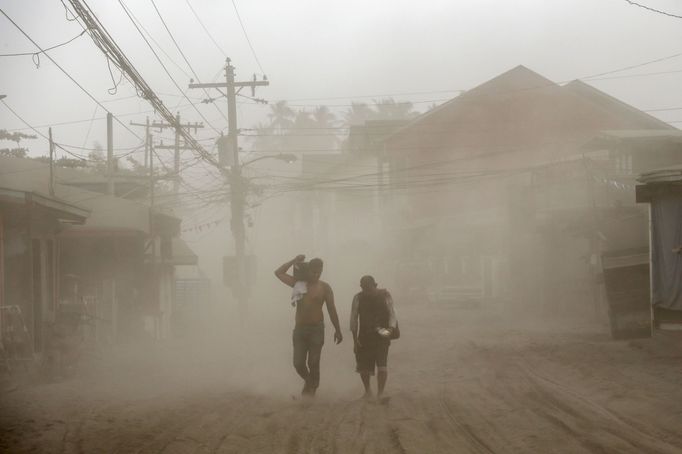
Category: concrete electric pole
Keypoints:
(110, 154)
(176, 147)
(51, 184)
(241, 289)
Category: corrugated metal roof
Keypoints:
(671, 174)
(106, 211)
(59, 208)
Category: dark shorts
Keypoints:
(371, 354)
(308, 341)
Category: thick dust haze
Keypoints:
(506, 172)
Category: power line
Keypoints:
(61, 145)
(246, 35)
(177, 46)
(66, 73)
(397, 103)
(136, 147)
(136, 96)
(418, 181)
(49, 48)
(205, 29)
(595, 77)
(383, 95)
(128, 13)
(380, 95)
(654, 10)
(108, 46)
(184, 106)
(309, 183)
(92, 121)
(639, 65)
(159, 45)
(87, 120)
(40, 133)
(190, 104)
(630, 76)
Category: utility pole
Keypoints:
(176, 156)
(147, 142)
(151, 183)
(237, 190)
(51, 184)
(176, 147)
(147, 145)
(152, 236)
(110, 153)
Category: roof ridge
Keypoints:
(631, 109)
(476, 91)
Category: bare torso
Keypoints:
(309, 309)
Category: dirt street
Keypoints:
(460, 381)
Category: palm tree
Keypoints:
(302, 120)
(357, 114)
(298, 138)
(389, 109)
(323, 117)
(264, 138)
(325, 136)
(281, 115)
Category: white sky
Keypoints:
(325, 49)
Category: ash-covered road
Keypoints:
(459, 382)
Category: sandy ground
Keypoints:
(460, 381)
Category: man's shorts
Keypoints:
(371, 354)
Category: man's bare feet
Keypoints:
(308, 392)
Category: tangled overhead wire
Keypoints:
(35, 56)
(113, 90)
(101, 38)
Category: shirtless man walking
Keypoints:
(308, 334)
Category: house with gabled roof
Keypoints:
(503, 184)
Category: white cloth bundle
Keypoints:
(300, 289)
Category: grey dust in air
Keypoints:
(340, 227)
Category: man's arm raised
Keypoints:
(282, 274)
(333, 316)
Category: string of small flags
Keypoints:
(615, 184)
(201, 227)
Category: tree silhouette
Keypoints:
(357, 114)
(17, 152)
(289, 130)
(281, 115)
(390, 109)
(383, 109)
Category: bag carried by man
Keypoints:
(395, 332)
